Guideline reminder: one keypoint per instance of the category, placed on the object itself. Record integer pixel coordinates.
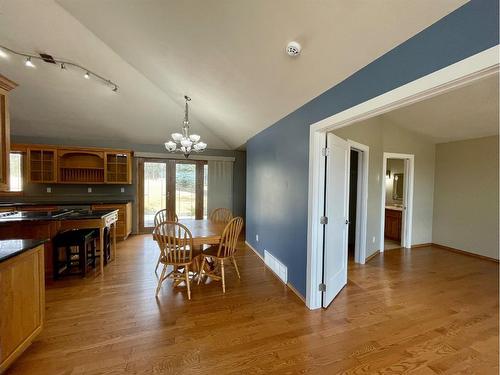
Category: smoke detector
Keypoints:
(293, 49)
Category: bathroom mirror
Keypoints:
(397, 187)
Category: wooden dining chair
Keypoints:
(160, 217)
(221, 215)
(176, 250)
(165, 215)
(221, 253)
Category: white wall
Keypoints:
(466, 196)
(382, 136)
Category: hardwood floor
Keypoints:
(424, 311)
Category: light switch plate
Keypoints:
(89, 190)
(122, 190)
(49, 189)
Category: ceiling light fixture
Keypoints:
(62, 63)
(29, 63)
(185, 142)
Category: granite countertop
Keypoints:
(64, 203)
(11, 248)
(59, 215)
(395, 208)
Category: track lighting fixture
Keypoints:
(4, 53)
(28, 63)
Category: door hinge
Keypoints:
(322, 287)
(323, 220)
(325, 151)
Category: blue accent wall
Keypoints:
(278, 157)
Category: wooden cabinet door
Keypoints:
(118, 168)
(392, 226)
(42, 165)
(5, 86)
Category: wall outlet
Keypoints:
(89, 190)
(49, 189)
(256, 238)
(122, 190)
(373, 239)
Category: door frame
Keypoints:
(446, 79)
(361, 198)
(409, 178)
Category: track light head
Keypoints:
(63, 66)
(87, 75)
(28, 63)
(115, 88)
(3, 54)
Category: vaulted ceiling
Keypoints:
(228, 55)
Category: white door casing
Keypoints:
(336, 210)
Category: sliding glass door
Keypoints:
(178, 185)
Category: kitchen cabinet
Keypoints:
(393, 224)
(124, 223)
(42, 165)
(77, 165)
(22, 302)
(6, 85)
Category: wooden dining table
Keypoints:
(204, 231)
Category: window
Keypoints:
(16, 172)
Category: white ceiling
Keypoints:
(465, 113)
(228, 55)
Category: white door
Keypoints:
(336, 210)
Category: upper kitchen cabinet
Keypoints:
(118, 168)
(42, 165)
(77, 165)
(6, 85)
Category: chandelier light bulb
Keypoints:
(28, 63)
(186, 143)
(194, 137)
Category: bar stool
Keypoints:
(80, 251)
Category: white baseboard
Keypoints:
(290, 286)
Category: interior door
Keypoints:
(336, 210)
(404, 219)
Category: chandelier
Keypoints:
(185, 142)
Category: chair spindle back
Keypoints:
(221, 215)
(229, 239)
(175, 242)
(165, 215)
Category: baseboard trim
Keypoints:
(421, 245)
(463, 252)
(290, 286)
(368, 258)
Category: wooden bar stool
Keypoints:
(79, 252)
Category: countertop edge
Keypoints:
(31, 244)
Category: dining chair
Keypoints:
(165, 215)
(221, 215)
(160, 217)
(176, 250)
(221, 253)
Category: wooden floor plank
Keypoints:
(424, 311)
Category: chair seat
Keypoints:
(196, 252)
(211, 251)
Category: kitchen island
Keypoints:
(22, 296)
(47, 224)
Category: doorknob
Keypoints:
(347, 222)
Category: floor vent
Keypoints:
(276, 266)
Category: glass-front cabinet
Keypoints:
(42, 165)
(118, 168)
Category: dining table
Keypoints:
(203, 231)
